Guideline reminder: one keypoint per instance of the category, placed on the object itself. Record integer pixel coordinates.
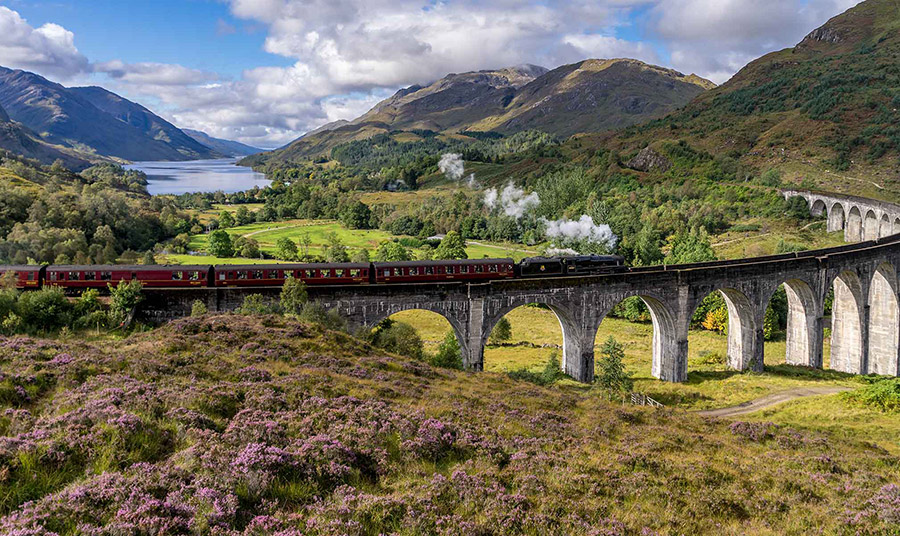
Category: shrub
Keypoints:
(198, 308)
(883, 394)
(88, 302)
(716, 320)
(293, 296)
(315, 313)
(448, 354)
(255, 304)
(502, 332)
(551, 373)
(123, 299)
(399, 338)
(44, 310)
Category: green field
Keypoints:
(268, 234)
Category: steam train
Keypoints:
(257, 275)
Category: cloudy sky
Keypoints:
(265, 71)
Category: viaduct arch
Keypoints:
(866, 307)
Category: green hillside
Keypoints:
(825, 110)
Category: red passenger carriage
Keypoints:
(257, 275)
(26, 276)
(436, 271)
(156, 276)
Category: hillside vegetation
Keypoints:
(260, 425)
(825, 110)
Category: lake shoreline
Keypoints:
(198, 176)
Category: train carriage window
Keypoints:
(326, 273)
(339, 272)
(52, 276)
(242, 274)
(273, 274)
(493, 268)
(414, 270)
(464, 269)
(387, 273)
(222, 276)
(177, 276)
(31, 276)
(195, 276)
(355, 272)
(106, 276)
(310, 274)
(90, 276)
(429, 270)
(73, 276)
(398, 271)
(479, 268)
(257, 274)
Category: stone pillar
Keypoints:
(670, 337)
(578, 352)
(836, 218)
(471, 343)
(804, 326)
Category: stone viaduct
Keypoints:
(865, 319)
(859, 218)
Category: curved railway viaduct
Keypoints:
(865, 320)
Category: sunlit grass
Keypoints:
(536, 336)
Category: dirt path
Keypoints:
(771, 400)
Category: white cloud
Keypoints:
(49, 49)
(603, 46)
(716, 38)
(154, 74)
(346, 55)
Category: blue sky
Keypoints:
(265, 71)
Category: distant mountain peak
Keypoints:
(224, 147)
(93, 121)
(593, 95)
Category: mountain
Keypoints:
(595, 95)
(824, 110)
(19, 140)
(224, 147)
(92, 121)
(589, 96)
(144, 120)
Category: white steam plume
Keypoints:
(557, 252)
(512, 200)
(583, 230)
(453, 167)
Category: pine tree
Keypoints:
(612, 377)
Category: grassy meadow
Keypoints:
(318, 231)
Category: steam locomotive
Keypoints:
(255, 275)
